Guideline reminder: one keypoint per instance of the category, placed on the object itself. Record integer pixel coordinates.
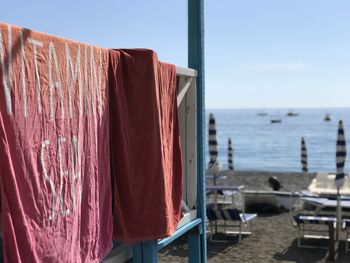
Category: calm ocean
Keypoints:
(261, 145)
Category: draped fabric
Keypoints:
(54, 148)
(145, 146)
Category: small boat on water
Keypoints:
(327, 117)
(263, 113)
(292, 114)
(276, 120)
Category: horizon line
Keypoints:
(272, 108)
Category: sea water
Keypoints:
(260, 145)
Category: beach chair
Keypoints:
(231, 219)
(307, 230)
(346, 226)
(213, 179)
(223, 197)
(230, 195)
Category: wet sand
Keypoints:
(273, 238)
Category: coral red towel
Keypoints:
(145, 146)
(54, 151)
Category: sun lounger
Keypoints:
(323, 184)
(226, 194)
(213, 179)
(229, 218)
(221, 213)
(306, 229)
(346, 226)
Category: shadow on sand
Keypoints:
(218, 244)
(304, 255)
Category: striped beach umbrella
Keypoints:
(340, 156)
(230, 155)
(304, 156)
(340, 176)
(213, 143)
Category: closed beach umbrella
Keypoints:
(303, 155)
(340, 156)
(213, 144)
(230, 155)
(340, 176)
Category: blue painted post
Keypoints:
(145, 252)
(137, 252)
(150, 251)
(196, 61)
(194, 242)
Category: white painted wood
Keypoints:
(182, 92)
(185, 207)
(180, 71)
(191, 143)
(188, 217)
(188, 133)
(183, 131)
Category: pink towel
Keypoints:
(145, 146)
(54, 148)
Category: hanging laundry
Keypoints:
(54, 150)
(145, 146)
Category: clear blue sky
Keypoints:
(259, 53)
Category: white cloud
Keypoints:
(277, 67)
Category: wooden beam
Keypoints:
(182, 230)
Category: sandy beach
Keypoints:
(273, 238)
